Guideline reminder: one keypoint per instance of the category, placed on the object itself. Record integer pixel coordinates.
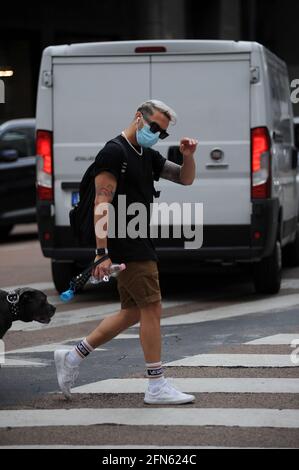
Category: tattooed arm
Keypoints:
(184, 174)
(105, 187)
(179, 174)
(172, 172)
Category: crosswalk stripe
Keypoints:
(24, 363)
(72, 317)
(234, 360)
(228, 417)
(289, 284)
(236, 310)
(75, 316)
(51, 347)
(69, 317)
(276, 339)
(47, 348)
(196, 385)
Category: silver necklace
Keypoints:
(139, 153)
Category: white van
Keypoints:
(232, 96)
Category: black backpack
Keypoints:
(82, 215)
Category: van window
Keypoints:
(275, 94)
(281, 104)
(286, 121)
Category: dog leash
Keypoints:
(78, 282)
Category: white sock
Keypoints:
(155, 374)
(78, 353)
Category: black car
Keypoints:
(17, 174)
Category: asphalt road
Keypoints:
(221, 342)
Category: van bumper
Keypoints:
(223, 243)
(20, 216)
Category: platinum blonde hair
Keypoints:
(149, 107)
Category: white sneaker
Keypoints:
(66, 375)
(167, 395)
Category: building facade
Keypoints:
(28, 27)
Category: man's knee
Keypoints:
(132, 314)
(153, 309)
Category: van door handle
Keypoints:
(174, 155)
(217, 166)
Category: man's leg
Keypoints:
(159, 391)
(67, 362)
(150, 332)
(113, 325)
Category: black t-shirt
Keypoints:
(138, 187)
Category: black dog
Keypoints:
(24, 304)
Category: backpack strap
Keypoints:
(124, 165)
(123, 169)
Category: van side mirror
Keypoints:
(8, 155)
(174, 155)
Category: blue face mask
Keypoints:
(145, 137)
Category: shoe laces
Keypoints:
(169, 387)
(165, 387)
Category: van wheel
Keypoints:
(291, 252)
(62, 273)
(5, 231)
(267, 273)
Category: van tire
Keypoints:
(291, 252)
(5, 231)
(267, 272)
(62, 273)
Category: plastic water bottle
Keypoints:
(114, 270)
(78, 282)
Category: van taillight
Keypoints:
(44, 151)
(260, 163)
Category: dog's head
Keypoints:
(34, 306)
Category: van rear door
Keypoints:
(94, 99)
(211, 94)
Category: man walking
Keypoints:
(138, 285)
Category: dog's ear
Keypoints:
(25, 295)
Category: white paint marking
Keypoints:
(69, 317)
(269, 305)
(234, 360)
(290, 284)
(22, 363)
(195, 385)
(50, 347)
(74, 317)
(42, 348)
(54, 300)
(152, 417)
(283, 339)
